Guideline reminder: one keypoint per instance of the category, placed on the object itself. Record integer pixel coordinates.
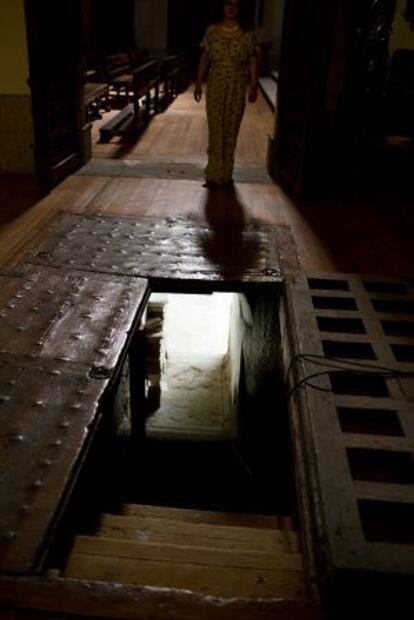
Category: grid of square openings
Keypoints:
(354, 316)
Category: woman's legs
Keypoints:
(216, 135)
(232, 128)
(226, 99)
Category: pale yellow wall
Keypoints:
(402, 36)
(14, 70)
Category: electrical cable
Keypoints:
(322, 360)
(350, 367)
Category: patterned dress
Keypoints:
(226, 97)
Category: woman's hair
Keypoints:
(246, 13)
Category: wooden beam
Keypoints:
(57, 599)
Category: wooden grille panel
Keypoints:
(353, 421)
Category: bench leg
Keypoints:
(136, 115)
(157, 99)
(147, 106)
(106, 103)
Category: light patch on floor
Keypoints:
(195, 384)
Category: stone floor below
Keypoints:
(194, 382)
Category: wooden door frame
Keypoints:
(50, 172)
(343, 80)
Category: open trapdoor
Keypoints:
(344, 342)
(67, 321)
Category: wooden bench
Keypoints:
(118, 74)
(146, 82)
(174, 74)
(96, 97)
(170, 75)
(154, 86)
(146, 101)
(120, 124)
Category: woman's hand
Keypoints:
(253, 94)
(198, 92)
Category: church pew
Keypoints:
(118, 74)
(96, 96)
(146, 79)
(146, 100)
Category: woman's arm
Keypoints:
(201, 74)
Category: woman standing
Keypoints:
(229, 56)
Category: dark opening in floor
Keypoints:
(236, 459)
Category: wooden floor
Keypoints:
(370, 236)
(180, 135)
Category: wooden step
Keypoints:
(211, 571)
(210, 517)
(93, 545)
(73, 599)
(167, 531)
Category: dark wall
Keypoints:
(108, 25)
(56, 82)
(188, 20)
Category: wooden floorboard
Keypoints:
(180, 134)
(18, 192)
(370, 236)
(60, 599)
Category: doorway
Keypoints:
(178, 133)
